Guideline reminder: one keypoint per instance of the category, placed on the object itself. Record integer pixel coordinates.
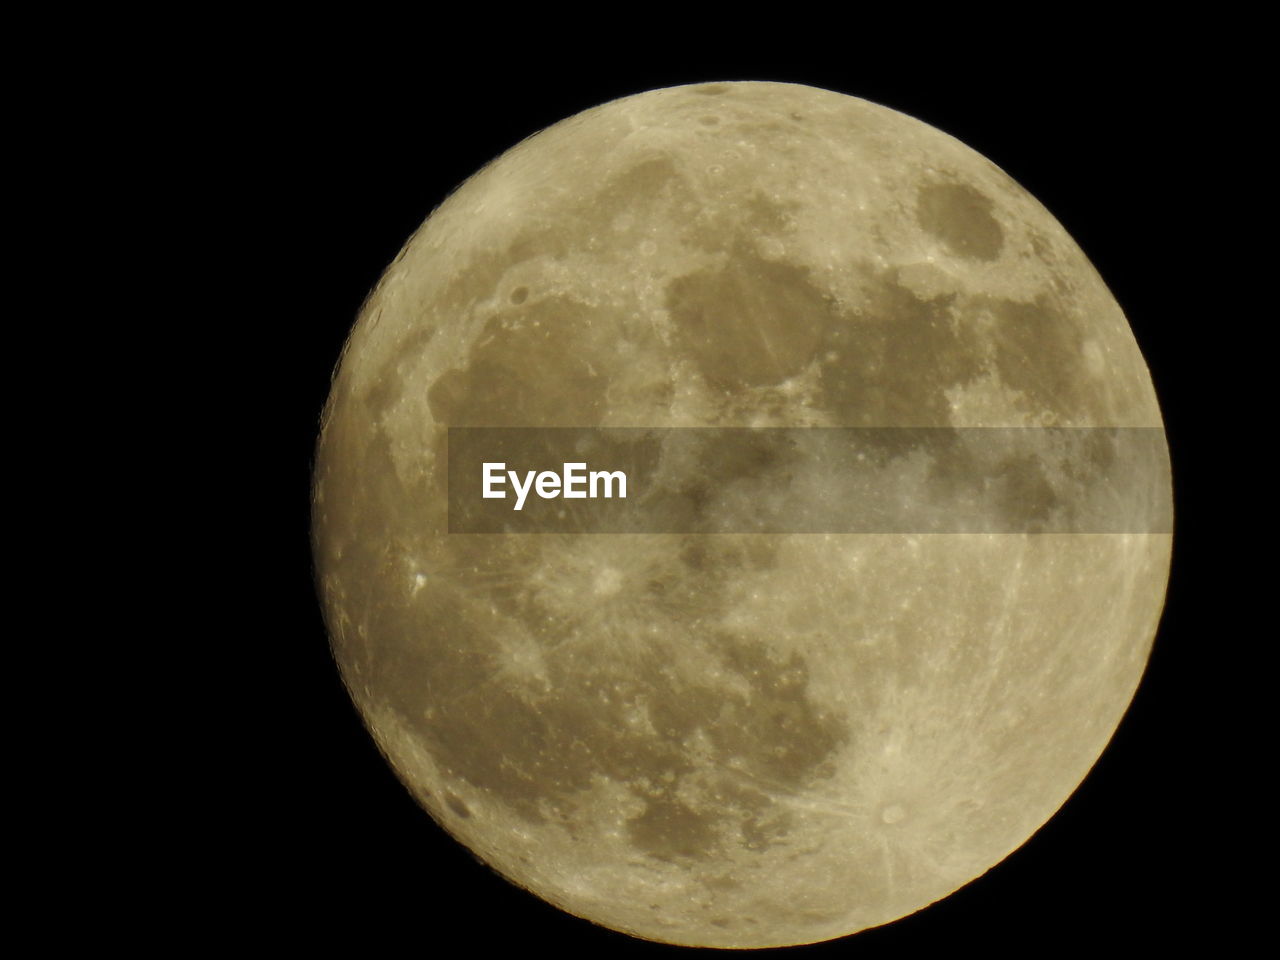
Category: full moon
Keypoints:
(744, 739)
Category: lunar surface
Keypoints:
(737, 740)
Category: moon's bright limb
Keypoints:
(733, 740)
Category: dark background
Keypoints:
(337, 158)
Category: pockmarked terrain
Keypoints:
(738, 739)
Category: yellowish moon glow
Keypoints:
(737, 739)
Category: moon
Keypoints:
(740, 739)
